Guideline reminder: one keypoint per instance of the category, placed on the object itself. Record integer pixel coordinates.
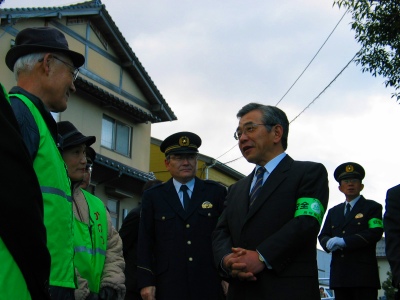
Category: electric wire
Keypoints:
(323, 44)
(315, 99)
(312, 58)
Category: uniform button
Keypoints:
(189, 242)
(209, 214)
(190, 259)
(163, 218)
(344, 231)
(187, 225)
(342, 255)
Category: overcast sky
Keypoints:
(210, 58)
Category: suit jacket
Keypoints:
(129, 232)
(356, 264)
(174, 248)
(288, 243)
(392, 232)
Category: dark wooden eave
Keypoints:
(97, 14)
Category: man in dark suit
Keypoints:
(265, 240)
(175, 259)
(350, 232)
(392, 234)
(129, 232)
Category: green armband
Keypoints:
(310, 207)
(375, 223)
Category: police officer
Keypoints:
(350, 232)
(175, 259)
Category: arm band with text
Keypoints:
(375, 223)
(310, 207)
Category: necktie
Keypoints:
(186, 197)
(347, 213)
(257, 186)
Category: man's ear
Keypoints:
(278, 133)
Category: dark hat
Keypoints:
(349, 170)
(181, 142)
(41, 39)
(71, 136)
(90, 154)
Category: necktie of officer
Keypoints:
(186, 197)
(348, 209)
(257, 186)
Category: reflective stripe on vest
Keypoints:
(56, 190)
(90, 242)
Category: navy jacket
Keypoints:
(356, 264)
(174, 248)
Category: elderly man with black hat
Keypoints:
(45, 69)
(351, 231)
(175, 259)
(98, 257)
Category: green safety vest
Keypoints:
(57, 202)
(12, 282)
(90, 242)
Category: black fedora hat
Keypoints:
(41, 39)
(71, 136)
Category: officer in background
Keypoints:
(350, 232)
(175, 259)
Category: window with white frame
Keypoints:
(116, 135)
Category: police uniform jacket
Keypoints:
(174, 247)
(356, 264)
(288, 243)
(392, 232)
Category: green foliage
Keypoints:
(377, 28)
(388, 288)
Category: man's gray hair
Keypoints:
(26, 63)
(270, 115)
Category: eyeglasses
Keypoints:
(248, 128)
(180, 158)
(75, 71)
(347, 181)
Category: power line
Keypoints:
(315, 99)
(312, 59)
(296, 82)
(312, 102)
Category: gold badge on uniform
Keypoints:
(359, 216)
(349, 168)
(207, 204)
(184, 141)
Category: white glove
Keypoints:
(335, 243)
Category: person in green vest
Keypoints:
(45, 69)
(98, 258)
(21, 217)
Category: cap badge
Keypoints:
(184, 141)
(207, 204)
(359, 216)
(349, 168)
